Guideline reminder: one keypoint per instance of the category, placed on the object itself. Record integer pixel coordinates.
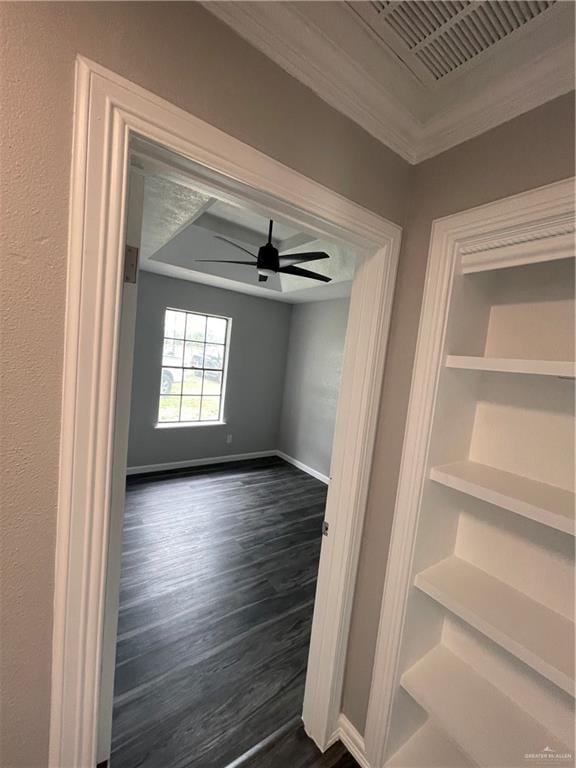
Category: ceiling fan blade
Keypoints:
(300, 258)
(304, 273)
(219, 237)
(226, 261)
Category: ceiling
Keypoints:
(419, 76)
(181, 224)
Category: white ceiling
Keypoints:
(419, 76)
(167, 208)
(180, 225)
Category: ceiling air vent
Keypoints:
(436, 38)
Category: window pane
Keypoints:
(190, 409)
(192, 383)
(174, 324)
(212, 382)
(196, 327)
(171, 383)
(194, 354)
(173, 351)
(169, 409)
(216, 330)
(214, 356)
(210, 409)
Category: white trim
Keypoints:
(188, 424)
(304, 467)
(392, 104)
(188, 463)
(286, 36)
(108, 110)
(539, 243)
(450, 237)
(511, 94)
(351, 464)
(139, 470)
(353, 741)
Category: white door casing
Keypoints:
(109, 110)
(118, 480)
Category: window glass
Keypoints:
(196, 327)
(214, 356)
(173, 351)
(194, 359)
(216, 330)
(174, 324)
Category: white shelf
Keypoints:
(486, 725)
(559, 368)
(429, 747)
(539, 637)
(544, 503)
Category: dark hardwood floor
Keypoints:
(218, 579)
(293, 749)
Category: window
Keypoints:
(194, 361)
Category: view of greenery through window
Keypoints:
(193, 366)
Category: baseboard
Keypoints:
(303, 467)
(198, 462)
(189, 463)
(353, 741)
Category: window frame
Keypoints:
(183, 368)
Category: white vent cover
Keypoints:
(437, 37)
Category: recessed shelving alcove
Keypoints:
(477, 667)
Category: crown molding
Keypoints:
(299, 44)
(543, 80)
(280, 32)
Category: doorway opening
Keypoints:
(110, 114)
(234, 393)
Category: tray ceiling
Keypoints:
(419, 76)
(181, 224)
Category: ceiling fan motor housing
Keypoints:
(268, 262)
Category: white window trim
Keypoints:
(190, 424)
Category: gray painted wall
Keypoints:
(258, 348)
(312, 382)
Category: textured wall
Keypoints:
(258, 347)
(182, 53)
(534, 149)
(312, 382)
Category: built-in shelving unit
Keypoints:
(547, 504)
(482, 554)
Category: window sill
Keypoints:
(193, 424)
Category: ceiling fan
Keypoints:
(269, 262)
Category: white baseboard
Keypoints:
(197, 462)
(223, 459)
(304, 467)
(352, 740)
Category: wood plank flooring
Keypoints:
(293, 749)
(218, 579)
